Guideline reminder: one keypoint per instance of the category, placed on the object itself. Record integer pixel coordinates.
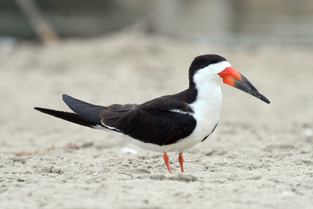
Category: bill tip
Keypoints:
(264, 99)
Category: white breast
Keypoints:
(206, 112)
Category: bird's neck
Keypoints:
(209, 93)
(205, 92)
(208, 102)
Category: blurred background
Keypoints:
(222, 22)
(132, 51)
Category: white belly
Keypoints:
(206, 113)
(206, 122)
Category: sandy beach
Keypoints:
(260, 155)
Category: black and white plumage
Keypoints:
(169, 123)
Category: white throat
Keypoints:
(208, 85)
(208, 103)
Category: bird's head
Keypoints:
(217, 69)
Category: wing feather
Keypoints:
(161, 121)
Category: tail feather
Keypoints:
(71, 117)
(84, 109)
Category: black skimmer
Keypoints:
(172, 123)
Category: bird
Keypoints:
(171, 123)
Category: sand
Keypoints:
(260, 155)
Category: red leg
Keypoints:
(181, 161)
(167, 162)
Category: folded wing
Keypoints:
(161, 121)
